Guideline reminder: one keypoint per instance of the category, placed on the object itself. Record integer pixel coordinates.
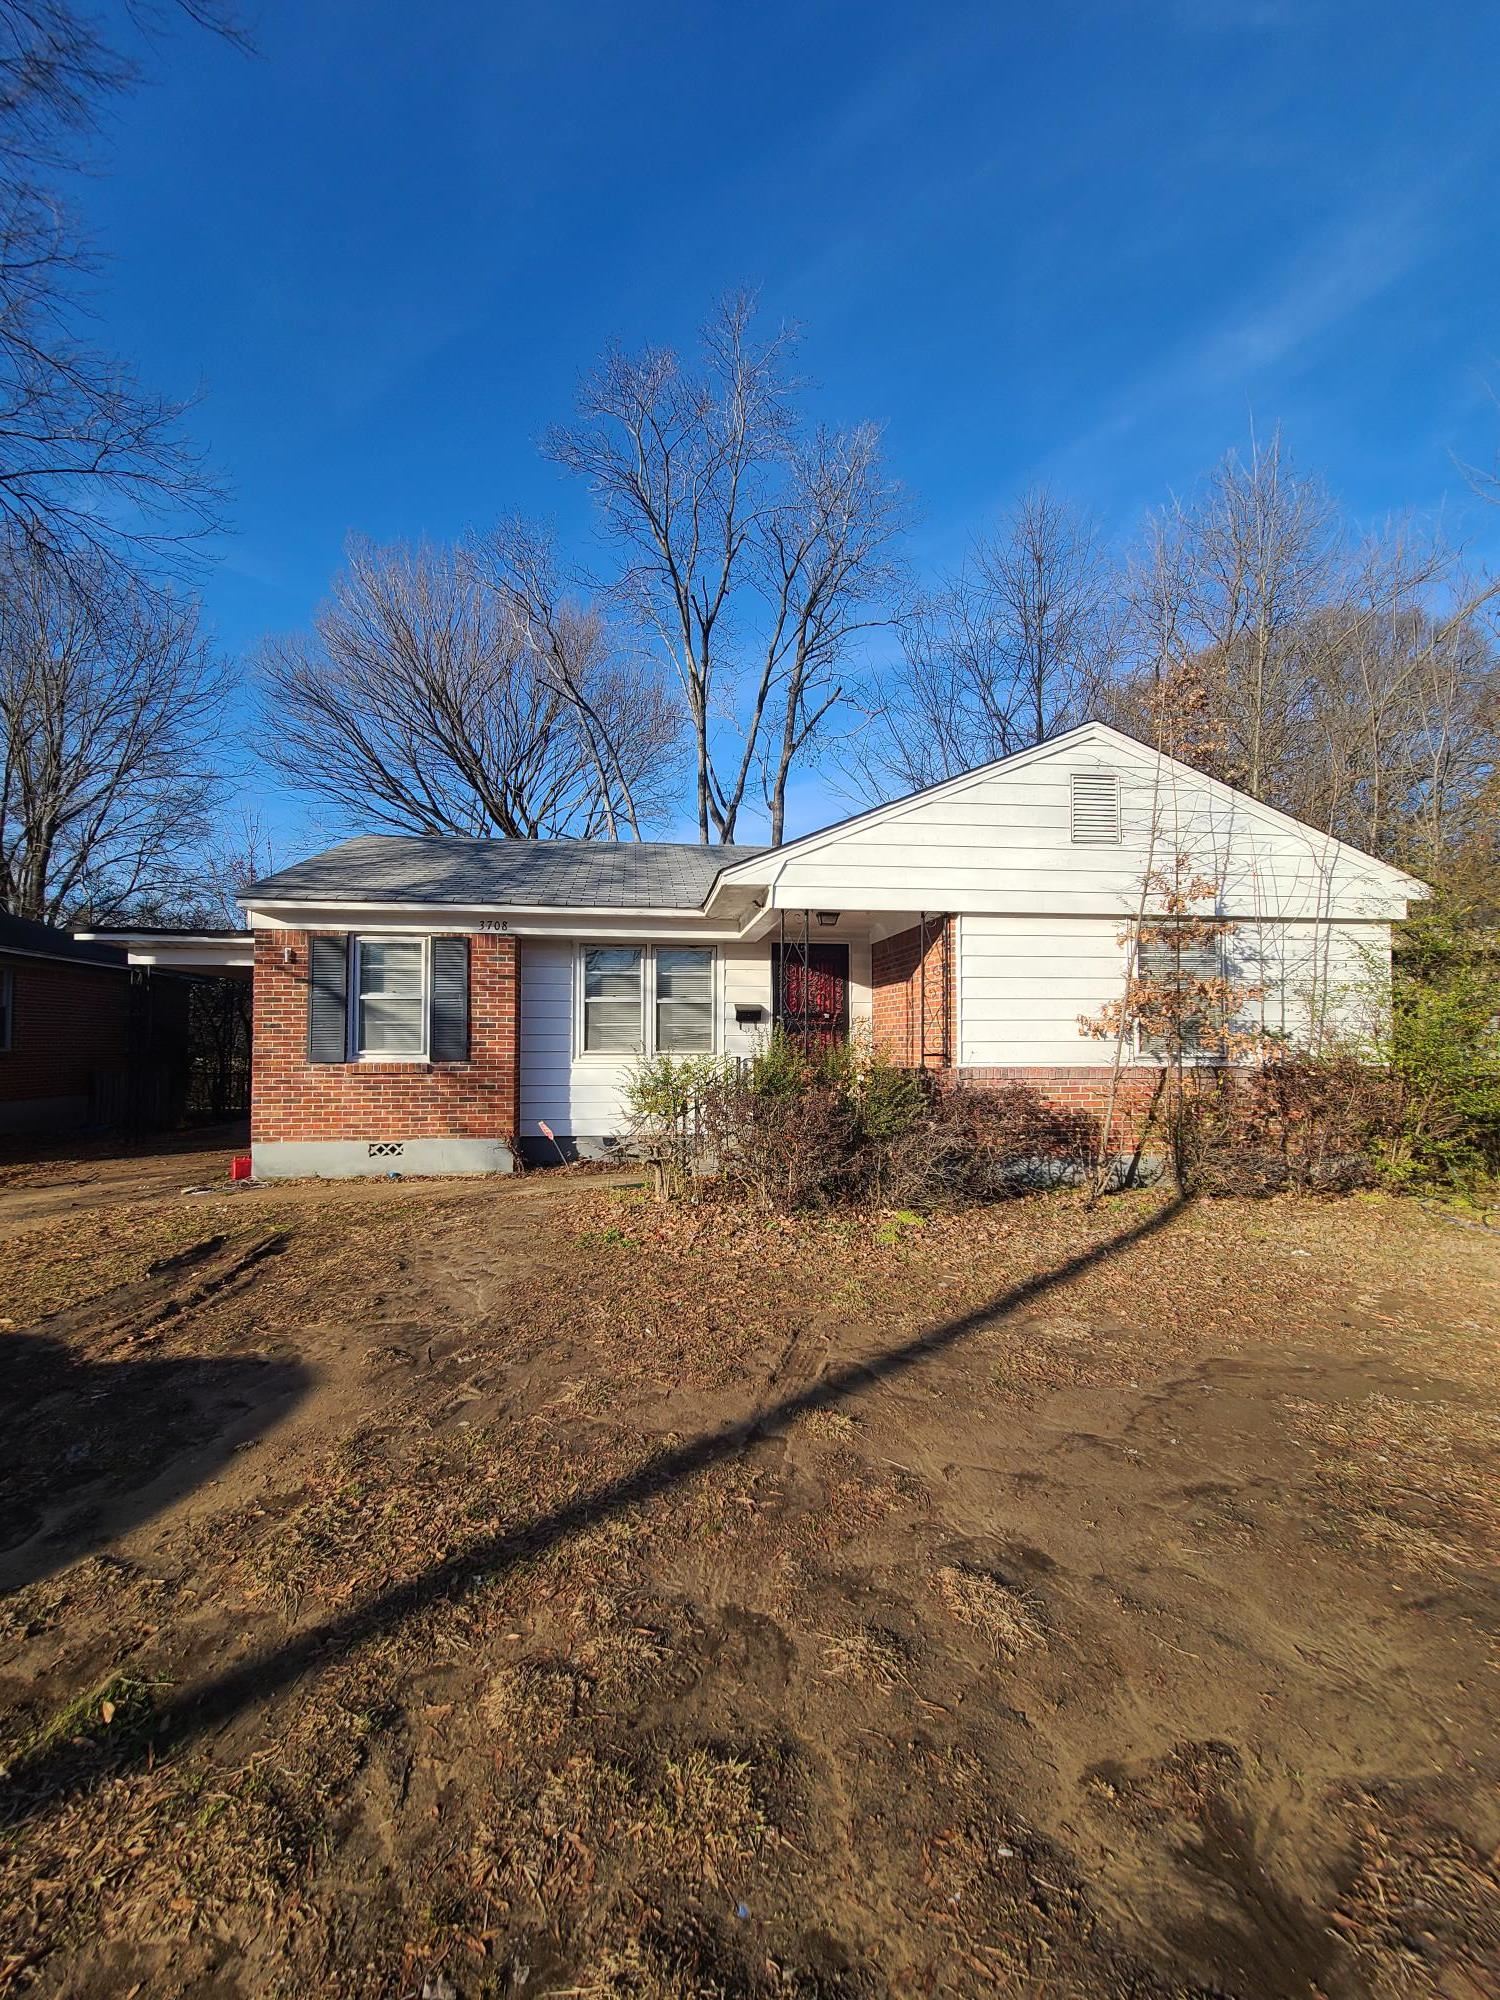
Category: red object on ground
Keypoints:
(239, 1167)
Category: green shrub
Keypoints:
(665, 1098)
(1445, 1049)
(781, 1067)
(663, 1089)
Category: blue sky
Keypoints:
(1088, 244)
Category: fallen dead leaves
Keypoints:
(585, 1756)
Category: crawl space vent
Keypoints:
(1096, 809)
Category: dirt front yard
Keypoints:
(504, 1589)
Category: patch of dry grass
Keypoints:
(1007, 1617)
(638, 1971)
(47, 1270)
(868, 1657)
(827, 1423)
(95, 1587)
(1412, 1482)
(692, 1817)
(1418, 1901)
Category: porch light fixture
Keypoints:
(828, 918)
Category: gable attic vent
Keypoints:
(1096, 809)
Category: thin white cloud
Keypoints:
(1327, 284)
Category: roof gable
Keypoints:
(1098, 735)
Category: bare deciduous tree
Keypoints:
(110, 699)
(631, 745)
(755, 548)
(421, 701)
(1352, 683)
(1009, 651)
(89, 459)
(1261, 552)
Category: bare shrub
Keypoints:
(782, 1149)
(1309, 1124)
(797, 1128)
(971, 1144)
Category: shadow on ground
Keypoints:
(57, 1771)
(90, 1448)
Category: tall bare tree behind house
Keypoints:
(755, 546)
(1352, 681)
(1009, 650)
(422, 701)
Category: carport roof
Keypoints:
(505, 874)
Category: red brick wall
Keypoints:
(1077, 1087)
(69, 1021)
(898, 991)
(291, 1098)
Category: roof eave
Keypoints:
(327, 902)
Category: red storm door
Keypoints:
(812, 992)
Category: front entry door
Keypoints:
(812, 992)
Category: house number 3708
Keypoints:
(494, 923)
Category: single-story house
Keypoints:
(429, 1004)
(83, 1040)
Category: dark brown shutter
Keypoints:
(328, 1001)
(449, 1038)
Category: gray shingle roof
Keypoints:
(527, 874)
(36, 940)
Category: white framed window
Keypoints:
(7, 1009)
(613, 1000)
(633, 1000)
(684, 1000)
(1173, 966)
(1096, 809)
(388, 1018)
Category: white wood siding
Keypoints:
(1023, 982)
(1004, 842)
(582, 1096)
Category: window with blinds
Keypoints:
(612, 1000)
(635, 1001)
(1177, 970)
(684, 1000)
(390, 985)
(1096, 809)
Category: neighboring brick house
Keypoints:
(434, 1004)
(83, 1040)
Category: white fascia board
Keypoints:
(148, 937)
(241, 960)
(686, 925)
